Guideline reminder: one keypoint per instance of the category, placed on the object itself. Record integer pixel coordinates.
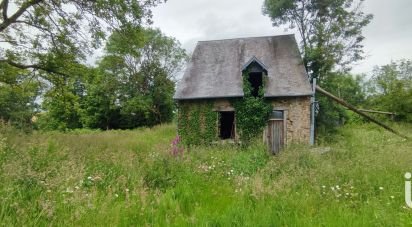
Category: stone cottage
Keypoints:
(214, 79)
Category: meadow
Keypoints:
(132, 178)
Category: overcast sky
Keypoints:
(388, 36)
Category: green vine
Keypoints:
(251, 112)
(197, 122)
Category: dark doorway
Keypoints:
(227, 125)
(255, 80)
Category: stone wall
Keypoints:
(297, 114)
(296, 111)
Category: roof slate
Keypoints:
(215, 70)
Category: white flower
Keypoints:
(127, 190)
(392, 197)
(332, 188)
(380, 188)
(323, 186)
(116, 195)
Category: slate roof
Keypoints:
(215, 70)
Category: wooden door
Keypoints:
(276, 132)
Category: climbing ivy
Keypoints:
(197, 122)
(251, 112)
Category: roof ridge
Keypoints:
(251, 37)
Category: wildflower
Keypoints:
(127, 190)
(323, 186)
(90, 178)
(332, 188)
(116, 195)
(381, 188)
(392, 197)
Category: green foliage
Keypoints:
(17, 96)
(35, 32)
(346, 87)
(197, 122)
(129, 178)
(331, 34)
(390, 89)
(331, 30)
(144, 75)
(251, 112)
(131, 87)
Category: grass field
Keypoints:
(125, 178)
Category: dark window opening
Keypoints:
(227, 125)
(256, 81)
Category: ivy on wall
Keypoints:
(197, 122)
(251, 112)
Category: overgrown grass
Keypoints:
(130, 178)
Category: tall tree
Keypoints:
(145, 63)
(330, 30)
(331, 34)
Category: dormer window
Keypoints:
(255, 70)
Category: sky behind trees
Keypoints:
(388, 36)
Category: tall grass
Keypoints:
(131, 178)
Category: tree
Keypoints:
(347, 87)
(35, 33)
(17, 96)
(331, 34)
(331, 31)
(98, 106)
(62, 100)
(390, 89)
(144, 63)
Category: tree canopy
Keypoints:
(330, 30)
(44, 46)
(38, 34)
